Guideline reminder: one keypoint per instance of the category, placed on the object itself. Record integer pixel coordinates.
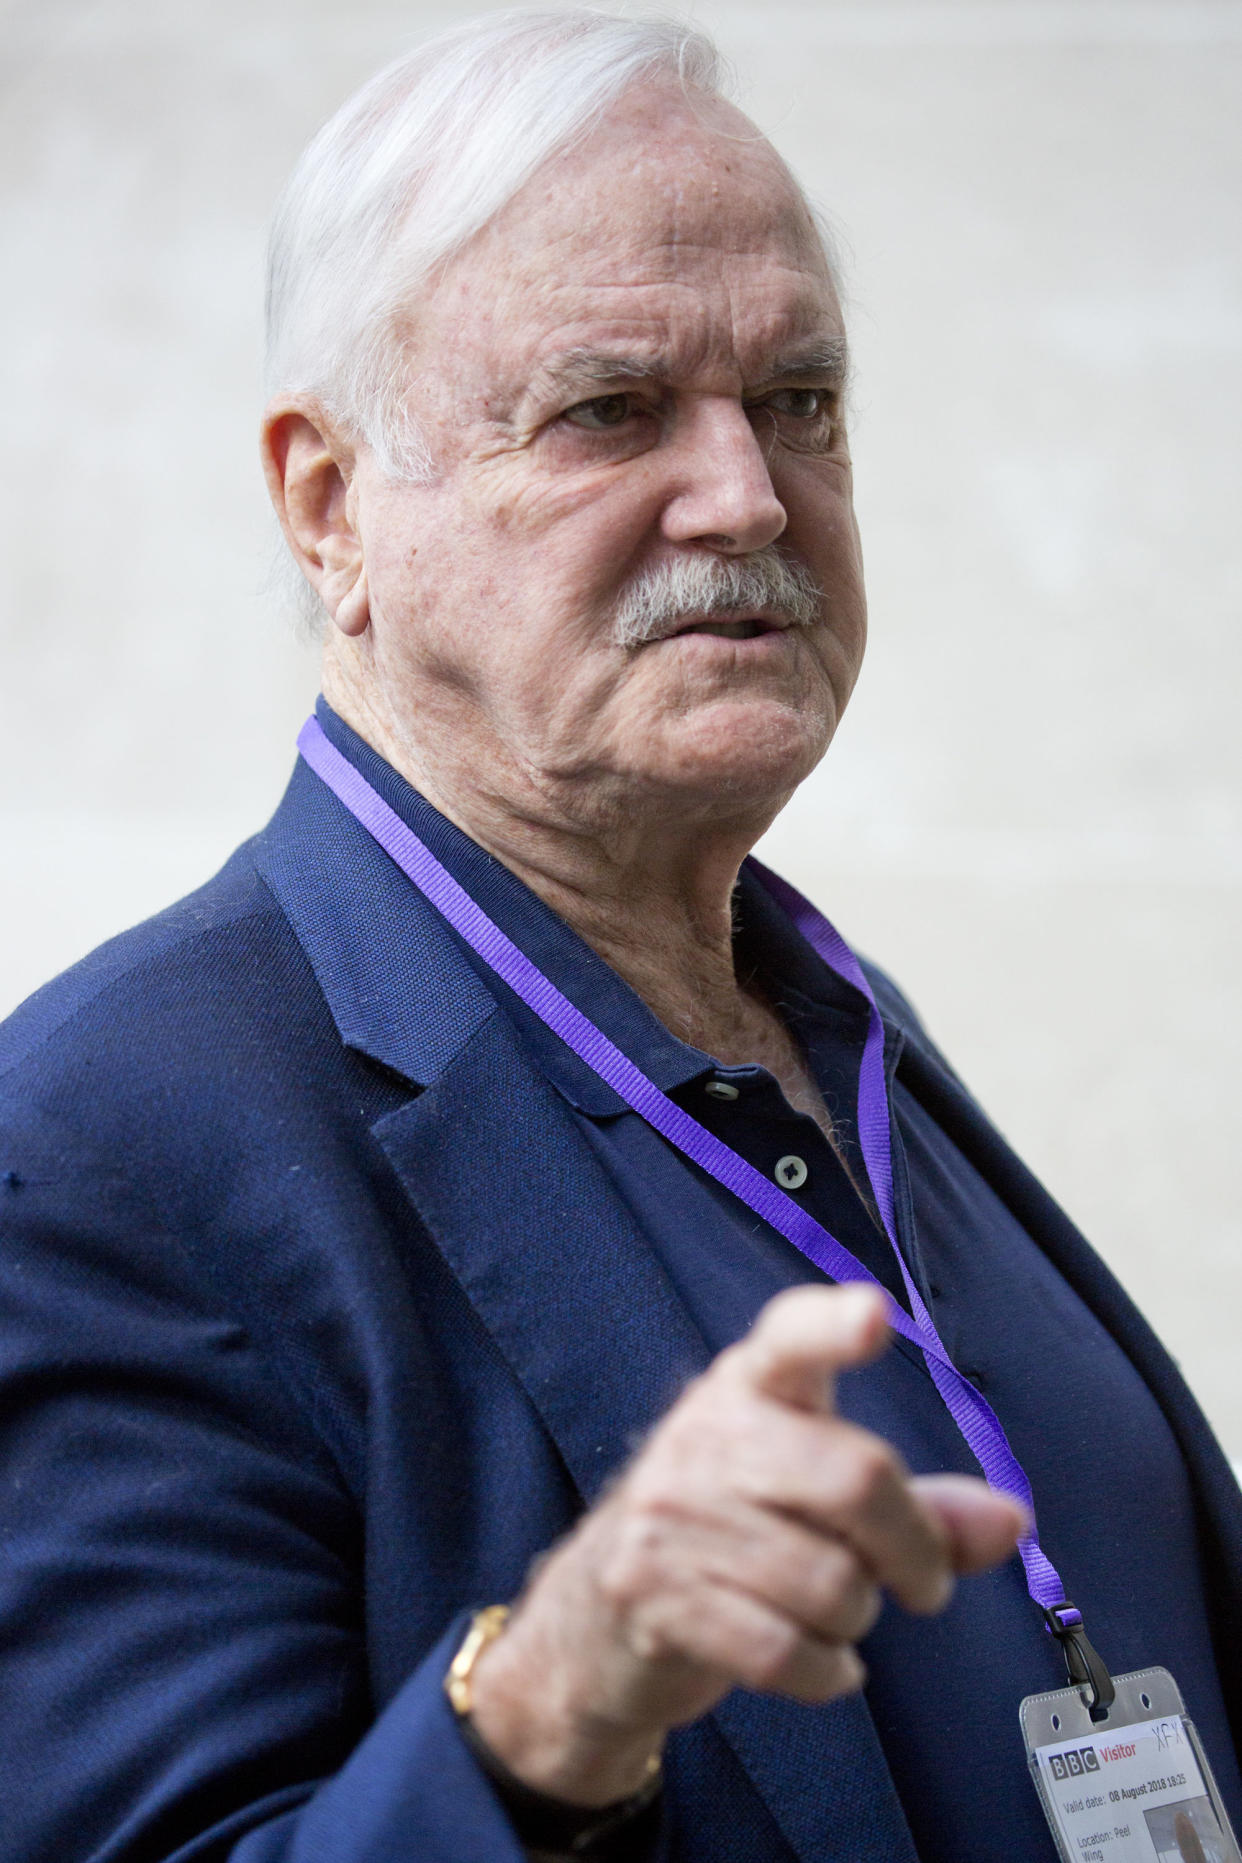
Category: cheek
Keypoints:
(518, 631)
(438, 577)
(819, 506)
(585, 526)
(823, 531)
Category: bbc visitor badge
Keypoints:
(1132, 1785)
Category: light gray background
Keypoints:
(1032, 812)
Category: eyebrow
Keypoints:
(586, 368)
(827, 358)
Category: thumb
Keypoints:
(805, 1336)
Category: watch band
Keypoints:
(540, 1821)
(485, 1627)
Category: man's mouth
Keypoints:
(748, 629)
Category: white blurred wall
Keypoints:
(1032, 814)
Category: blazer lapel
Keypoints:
(398, 986)
(823, 1776)
(515, 1200)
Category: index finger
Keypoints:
(805, 1336)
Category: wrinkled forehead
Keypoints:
(673, 222)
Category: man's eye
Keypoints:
(800, 403)
(600, 412)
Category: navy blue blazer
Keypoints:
(301, 1360)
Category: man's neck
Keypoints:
(652, 896)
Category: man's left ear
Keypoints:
(310, 471)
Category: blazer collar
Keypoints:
(396, 981)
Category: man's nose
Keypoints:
(721, 494)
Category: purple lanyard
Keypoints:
(973, 1415)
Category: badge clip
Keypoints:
(1083, 1661)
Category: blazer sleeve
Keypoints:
(183, 1670)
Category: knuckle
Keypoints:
(822, 1673)
(848, 1674)
(929, 1587)
(769, 1654)
(650, 1641)
(873, 1471)
(858, 1611)
(848, 1602)
(630, 1566)
(651, 1483)
(835, 1572)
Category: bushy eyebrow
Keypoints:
(590, 368)
(575, 369)
(828, 361)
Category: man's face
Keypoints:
(637, 364)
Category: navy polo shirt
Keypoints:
(1115, 1509)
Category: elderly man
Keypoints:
(437, 1211)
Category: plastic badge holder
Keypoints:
(1133, 1786)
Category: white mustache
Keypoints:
(703, 586)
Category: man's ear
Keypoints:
(309, 470)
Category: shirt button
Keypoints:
(791, 1172)
(720, 1090)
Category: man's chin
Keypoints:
(754, 766)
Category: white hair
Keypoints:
(413, 165)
